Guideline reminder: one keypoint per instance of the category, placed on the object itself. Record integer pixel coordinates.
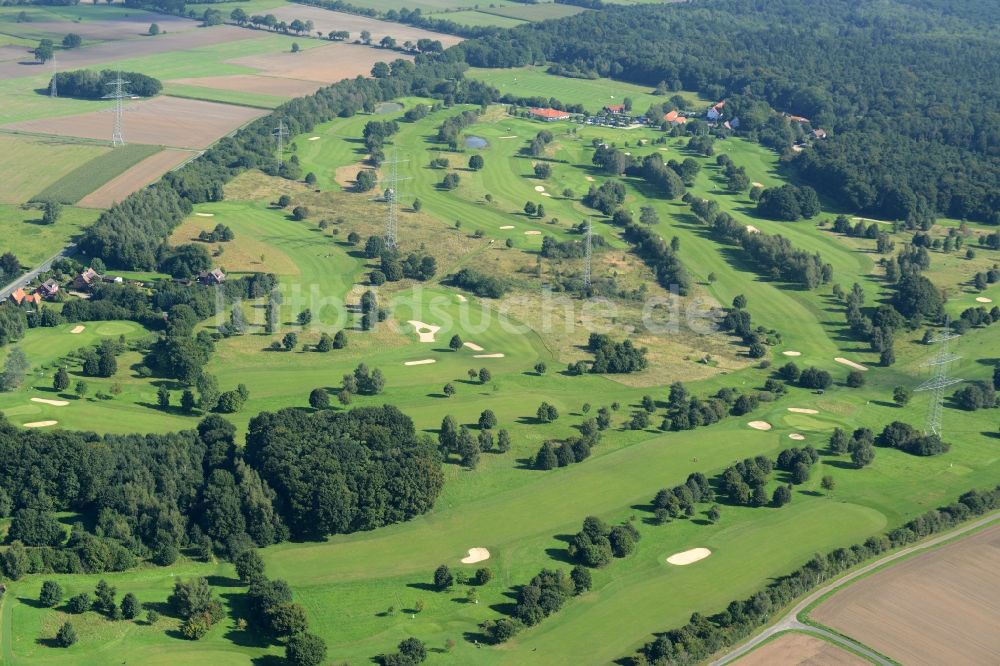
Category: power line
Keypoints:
(280, 133)
(939, 382)
(391, 195)
(53, 86)
(119, 94)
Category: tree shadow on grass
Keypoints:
(269, 660)
(559, 555)
(47, 642)
(33, 603)
(840, 464)
(224, 581)
(423, 587)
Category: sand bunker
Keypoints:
(590, 179)
(803, 410)
(78, 329)
(756, 184)
(40, 424)
(473, 346)
(488, 356)
(512, 136)
(532, 233)
(792, 353)
(314, 138)
(205, 214)
(539, 188)
(983, 299)
(507, 226)
(424, 331)
(546, 194)
(54, 403)
(689, 556)
(476, 555)
(752, 229)
(760, 425)
(425, 361)
(850, 364)
(797, 437)
(461, 298)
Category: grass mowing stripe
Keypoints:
(86, 178)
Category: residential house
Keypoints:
(615, 108)
(21, 297)
(85, 280)
(674, 118)
(819, 134)
(212, 277)
(48, 289)
(798, 119)
(549, 115)
(716, 111)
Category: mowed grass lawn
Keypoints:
(524, 517)
(593, 94)
(31, 241)
(31, 164)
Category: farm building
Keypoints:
(21, 297)
(212, 277)
(674, 118)
(549, 115)
(716, 111)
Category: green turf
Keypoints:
(536, 12)
(593, 94)
(31, 241)
(257, 100)
(477, 19)
(523, 516)
(32, 163)
(88, 177)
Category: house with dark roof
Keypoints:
(85, 280)
(716, 111)
(212, 277)
(48, 289)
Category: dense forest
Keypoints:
(898, 86)
(148, 496)
(88, 84)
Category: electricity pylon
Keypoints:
(119, 94)
(280, 133)
(391, 195)
(939, 382)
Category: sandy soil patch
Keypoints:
(161, 121)
(939, 607)
(100, 54)
(473, 346)
(78, 329)
(689, 556)
(54, 403)
(803, 410)
(324, 64)
(142, 174)
(40, 424)
(792, 353)
(539, 188)
(752, 229)
(507, 226)
(346, 176)
(795, 649)
(532, 233)
(423, 361)
(277, 86)
(461, 298)
(849, 363)
(983, 299)
(756, 184)
(760, 425)
(476, 555)
(797, 437)
(488, 356)
(326, 21)
(425, 332)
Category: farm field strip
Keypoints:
(31, 164)
(94, 174)
(135, 178)
(326, 21)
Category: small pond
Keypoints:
(388, 107)
(475, 142)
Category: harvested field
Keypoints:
(326, 21)
(142, 174)
(323, 64)
(166, 121)
(253, 83)
(940, 607)
(793, 649)
(111, 51)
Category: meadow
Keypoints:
(31, 241)
(524, 517)
(475, 18)
(34, 163)
(593, 94)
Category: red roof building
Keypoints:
(615, 108)
(549, 115)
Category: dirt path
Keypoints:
(790, 620)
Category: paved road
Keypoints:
(790, 620)
(7, 290)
